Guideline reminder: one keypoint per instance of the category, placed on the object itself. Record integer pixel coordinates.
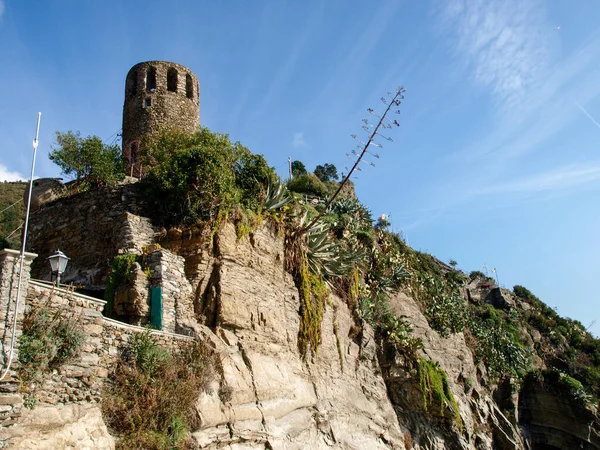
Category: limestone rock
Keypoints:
(74, 426)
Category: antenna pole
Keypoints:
(22, 256)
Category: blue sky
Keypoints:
(497, 159)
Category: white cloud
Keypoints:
(557, 179)
(299, 141)
(5, 174)
(1, 8)
(506, 45)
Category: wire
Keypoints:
(20, 200)
(14, 231)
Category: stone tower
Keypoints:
(157, 94)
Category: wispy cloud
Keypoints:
(511, 49)
(7, 175)
(504, 44)
(558, 179)
(1, 8)
(298, 140)
(587, 114)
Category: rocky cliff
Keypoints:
(356, 392)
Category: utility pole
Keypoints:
(290, 165)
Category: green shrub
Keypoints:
(477, 274)
(49, 339)
(150, 400)
(120, 268)
(200, 176)
(524, 293)
(308, 184)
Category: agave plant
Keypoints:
(277, 197)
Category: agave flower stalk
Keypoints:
(395, 101)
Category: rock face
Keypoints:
(74, 426)
(551, 422)
(269, 397)
(484, 426)
(356, 393)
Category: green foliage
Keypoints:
(326, 172)
(253, 176)
(13, 217)
(308, 184)
(313, 298)
(435, 389)
(375, 310)
(497, 342)
(477, 274)
(558, 381)
(120, 268)
(298, 169)
(49, 339)
(87, 159)
(524, 293)
(150, 402)
(277, 197)
(201, 176)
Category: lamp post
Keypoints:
(58, 262)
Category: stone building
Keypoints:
(157, 94)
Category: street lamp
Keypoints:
(58, 262)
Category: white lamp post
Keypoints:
(58, 262)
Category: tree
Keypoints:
(298, 169)
(87, 159)
(326, 172)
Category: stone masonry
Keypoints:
(158, 94)
(10, 401)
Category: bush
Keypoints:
(87, 159)
(308, 184)
(48, 341)
(198, 177)
(150, 401)
(477, 274)
(524, 293)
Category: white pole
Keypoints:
(22, 256)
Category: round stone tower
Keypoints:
(157, 94)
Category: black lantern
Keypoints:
(58, 262)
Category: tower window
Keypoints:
(189, 86)
(151, 79)
(132, 84)
(172, 80)
(147, 102)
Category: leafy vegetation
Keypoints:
(308, 184)
(150, 401)
(202, 176)
(48, 341)
(326, 172)
(87, 160)
(298, 169)
(11, 217)
(435, 389)
(120, 268)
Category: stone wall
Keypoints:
(11, 402)
(82, 378)
(90, 228)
